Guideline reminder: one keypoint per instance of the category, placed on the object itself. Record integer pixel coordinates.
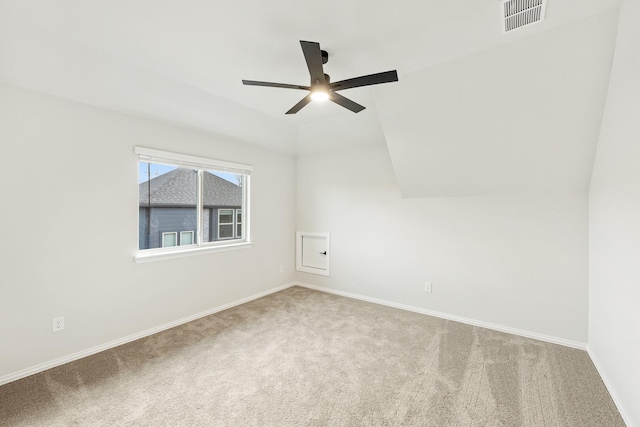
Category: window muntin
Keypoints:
(190, 199)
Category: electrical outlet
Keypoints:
(282, 269)
(58, 324)
(427, 286)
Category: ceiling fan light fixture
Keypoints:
(319, 91)
(319, 94)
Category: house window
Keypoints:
(225, 224)
(238, 223)
(186, 238)
(169, 239)
(196, 199)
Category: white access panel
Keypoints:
(312, 252)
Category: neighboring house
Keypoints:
(169, 217)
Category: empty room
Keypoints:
(353, 213)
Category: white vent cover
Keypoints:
(520, 13)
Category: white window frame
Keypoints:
(232, 223)
(193, 241)
(200, 164)
(237, 223)
(175, 237)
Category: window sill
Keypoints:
(143, 257)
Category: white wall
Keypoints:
(514, 261)
(68, 182)
(614, 225)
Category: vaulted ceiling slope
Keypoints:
(475, 111)
(520, 117)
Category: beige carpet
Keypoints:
(306, 358)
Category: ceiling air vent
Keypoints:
(520, 13)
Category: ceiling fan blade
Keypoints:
(371, 79)
(345, 102)
(304, 101)
(313, 56)
(270, 84)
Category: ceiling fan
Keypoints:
(321, 88)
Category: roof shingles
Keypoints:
(179, 186)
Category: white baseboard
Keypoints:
(596, 362)
(102, 347)
(507, 329)
(93, 350)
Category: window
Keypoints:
(225, 224)
(186, 238)
(169, 239)
(196, 199)
(238, 223)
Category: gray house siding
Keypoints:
(206, 225)
(143, 229)
(168, 220)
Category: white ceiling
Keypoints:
(182, 62)
(519, 117)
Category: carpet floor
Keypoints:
(306, 358)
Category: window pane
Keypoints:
(222, 194)
(225, 216)
(239, 231)
(169, 239)
(167, 203)
(225, 231)
(186, 238)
